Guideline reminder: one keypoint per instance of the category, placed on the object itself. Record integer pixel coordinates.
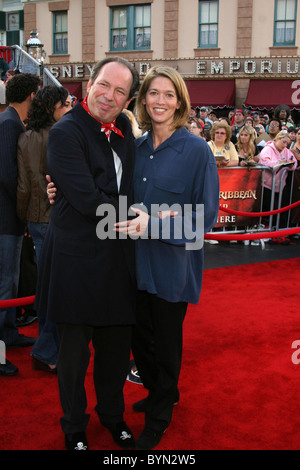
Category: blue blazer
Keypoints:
(11, 127)
(84, 279)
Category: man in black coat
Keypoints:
(86, 282)
(20, 91)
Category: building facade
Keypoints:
(230, 52)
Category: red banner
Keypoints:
(240, 190)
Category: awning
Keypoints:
(215, 93)
(268, 94)
(74, 88)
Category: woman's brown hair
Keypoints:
(181, 115)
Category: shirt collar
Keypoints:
(176, 141)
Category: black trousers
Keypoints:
(157, 350)
(111, 360)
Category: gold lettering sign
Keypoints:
(190, 67)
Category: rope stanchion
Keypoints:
(260, 214)
(17, 302)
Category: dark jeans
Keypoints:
(10, 254)
(46, 346)
(157, 350)
(111, 360)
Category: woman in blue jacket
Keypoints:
(176, 187)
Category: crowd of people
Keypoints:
(259, 126)
(124, 289)
(249, 138)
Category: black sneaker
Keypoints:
(25, 320)
(76, 441)
(134, 377)
(148, 439)
(121, 434)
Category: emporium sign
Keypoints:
(188, 68)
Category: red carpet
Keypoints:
(239, 387)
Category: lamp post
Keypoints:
(35, 47)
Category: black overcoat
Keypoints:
(84, 279)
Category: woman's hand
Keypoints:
(296, 153)
(222, 162)
(51, 189)
(135, 227)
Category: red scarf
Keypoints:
(107, 126)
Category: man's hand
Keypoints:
(51, 189)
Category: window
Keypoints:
(60, 32)
(208, 23)
(2, 28)
(12, 27)
(119, 28)
(142, 27)
(131, 28)
(12, 34)
(285, 22)
(13, 21)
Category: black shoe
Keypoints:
(148, 439)
(76, 441)
(141, 405)
(22, 341)
(8, 369)
(121, 434)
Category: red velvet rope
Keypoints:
(17, 302)
(209, 236)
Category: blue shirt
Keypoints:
(182, 173)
